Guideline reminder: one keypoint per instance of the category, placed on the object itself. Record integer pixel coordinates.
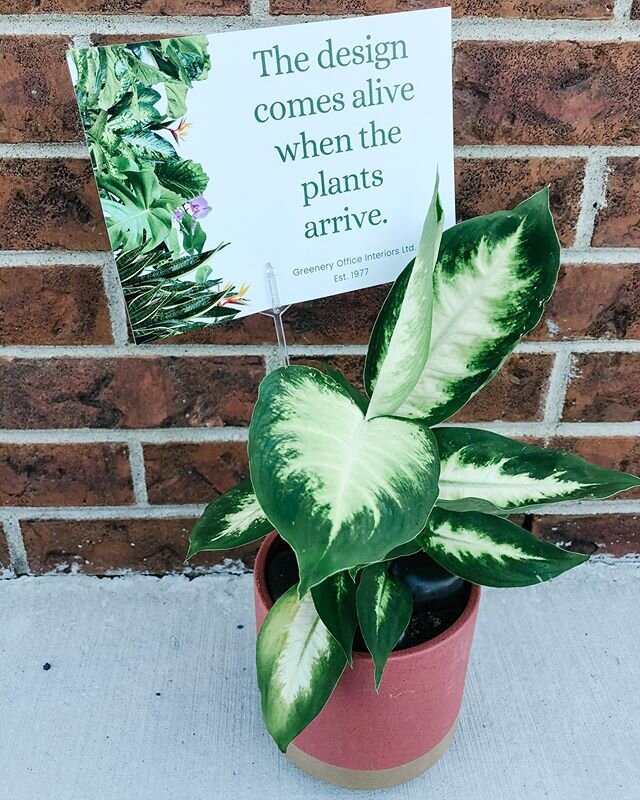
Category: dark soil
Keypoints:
(439, 597)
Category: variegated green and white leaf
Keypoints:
(335, 602)
(482, 471)
(384, 610)
(401, 340)
(232, 520)
(299, 664)
(407, 549)
(490, 550)
(493, 276)
(341, 489)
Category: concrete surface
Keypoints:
(151, 694)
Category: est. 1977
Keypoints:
(355, 273)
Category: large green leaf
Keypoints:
(490, 550)
(493, 276)
(335, 602)
(482, 471)
(232, 520)
(342, 490)
(186, 178)
(384, 610)
(299, 663)
(142, 212)
(400, 338)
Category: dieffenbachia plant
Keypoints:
(351, 481)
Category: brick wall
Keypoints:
(108, 451)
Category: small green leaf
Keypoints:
(299, 664)
(186, 178)
(335, 602)
(342, 490)
(233, 520)
(490, 550)
(384, 610)
(176, 99)
(482, 471)
(400, 339)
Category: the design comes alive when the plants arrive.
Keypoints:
(357, 484)
(132, 99)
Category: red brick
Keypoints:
(101, 39)
(53, 306)
(136, 392)
(607, 534)
(605, 387)
(533, 9)
(611, 452)
(562, 93)
(341, 319)
(516, 394)
(102, 547)
(618, 222)
(593, 301)
(194, 473)
(351, 367)
(486, 185)
(64, 475)
(152, 7)
(49, 204)
(5, 558)
(37, 103)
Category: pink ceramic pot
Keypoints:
(364, 740)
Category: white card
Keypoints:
(319, 145)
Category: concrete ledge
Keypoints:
(151, 694)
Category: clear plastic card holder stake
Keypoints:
(276, 313)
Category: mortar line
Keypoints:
(260, 12)
(138, 472)
(115, 303)
(620, 28)
(470, 151)
(557, 388)
(127, 350)
(175, 511)
(541, 430)
(81, 41)
(98, 258)
(159, 436)
(622, 10)
(15, 542)
(53, 258)
(581, 346)
(74, 513)
(593, 198)
(601, 255)
(70, 436)
(44, 149)
(272, 359)
(505, 151)
(270, 354)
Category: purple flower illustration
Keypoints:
(178, 214)
(198, 207)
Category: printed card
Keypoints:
(313, 147)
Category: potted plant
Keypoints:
(366, 597)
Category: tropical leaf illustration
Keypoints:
(133, 103)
